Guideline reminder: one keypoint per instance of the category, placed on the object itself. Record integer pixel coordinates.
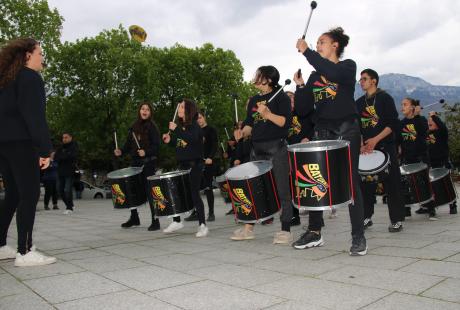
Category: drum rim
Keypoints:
(111, 175)
(422, 165)
(221, 178)
(256, 221)
(247, 177)
(301, 147)
(378, 169)
(416, 204)
(433, 179)
(322, 208)
(168, 175)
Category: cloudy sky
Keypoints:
(414, 37)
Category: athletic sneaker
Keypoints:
(174, 226)
(67, 212)
(368, 223)
(453, 208)
(33, 258)
(7, 252)
(333, 214)
(282, 237)
(202, 231)
(308, 239)
(432, 215)
(295, 221)
(358, 246)
(242, 234)
(396, 227)
(422, 210)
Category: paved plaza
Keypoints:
(102, 266)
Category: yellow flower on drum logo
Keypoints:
(159, 197)
(324, 89)
(409, 133)
(295, 128)
(181, 143)
(241, 201)
(431, 139)
(118, 196)
(313, 181)
(369, 117)
(256, 115)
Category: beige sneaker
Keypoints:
(242, 234)
(282, 237)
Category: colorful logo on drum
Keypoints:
(312, 181)
(256, 115)
(159, 197)
(369, 117)
(409, 133)
(431, 139)
(324, 89)
(181, 143)
(241, 201)
(118, 196)
(295, 128)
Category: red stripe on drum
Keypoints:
(297, 180)
(230, 191)
(274, 191)
(252, 200)
(351, 175)
(329, 180)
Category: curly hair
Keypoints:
(13, 58)
(338, 35)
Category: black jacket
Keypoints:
(412, 138)
(22, 111)
(438, 147)
(66, 157)
(188, 142)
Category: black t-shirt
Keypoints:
(412, 137)
(378, 112)
(210, 142)
(265, 130)
(151, 148)
(438, 147)
(301, 127)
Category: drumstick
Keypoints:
(222, 146)
(226, 132)
(116, 142)
(287, 82)
(137, 142)
(313, 5)
(175, 113)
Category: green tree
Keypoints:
(453, 124)
(31, 18)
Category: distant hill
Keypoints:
(401, 86)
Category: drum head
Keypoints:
(249, 170)
(317, 146)
(438, 173)
(412, 168)
(220, 178)
(168, 175)
(124, 173)
(373, 162)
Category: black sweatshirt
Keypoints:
(22, 111)
(243, 150)
(188, 142)
(412, 138)
(378, 112)
(152, 148)
(210, 142)
(438, 147)
(66, 157)
(329, 90)
(301, 127)
(265, 130)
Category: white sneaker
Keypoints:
(202, 231)
(67, 212)
(173, 227)
(7, 252)
(33, 258)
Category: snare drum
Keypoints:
(415, 184)
(253, 191)
(373, 166)
(443, 188)
(223, 187)
(128, 187)
(320, 174)
(171, 193)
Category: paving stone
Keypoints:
(210, 295)
(117, 301)
(369, 260)
(405, 282)
(403, 243)
(134, 251)
(69, 256)
(414, 253)
(296, 305)
(58, 268)
(453, 258)
(180, 262)
(10, 286)
(435, 268)
(73, 286)
(404, 301)
(102, 264)
(27, 301)
(234, 256)
(446, 290)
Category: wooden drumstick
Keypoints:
(226, 132)
(137, 142)
(116, 141)
(222, 146)
(175, 113)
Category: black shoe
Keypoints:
(396, 227)
(432, 215)
(267, 222)
(133, 220)
(295, 221)
(308, 239)
(211, 218)
(192, 217)
(230, 212)
(47, 208)
(453, 208)
(154, 226)
(422, 210)
(358, 246)
(55, 207)
(408, 212)
(368, 223)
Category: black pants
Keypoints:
(392, 186)
(21, 176)
(206, 183)
(346, 130)
(148, 170)
(196, 173)
(65, 184)
(50, 192)
(276, 152)
(430, 205)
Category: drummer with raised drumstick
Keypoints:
(143, 144)
(379, 123)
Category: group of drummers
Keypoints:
(312, 150)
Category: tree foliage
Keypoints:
(453, 124)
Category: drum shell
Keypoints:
(129, 191)
(377, 173)
(416, 187)
(171, 194)
(443, 188)
(223, 187)
(254, 199)
(334, 170)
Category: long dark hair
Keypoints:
(142, 127)
(190, 112)
(338, 35)
(268, 73)
(13, 57)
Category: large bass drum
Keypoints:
(128, 187)
(415, 184)
(443, 188)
